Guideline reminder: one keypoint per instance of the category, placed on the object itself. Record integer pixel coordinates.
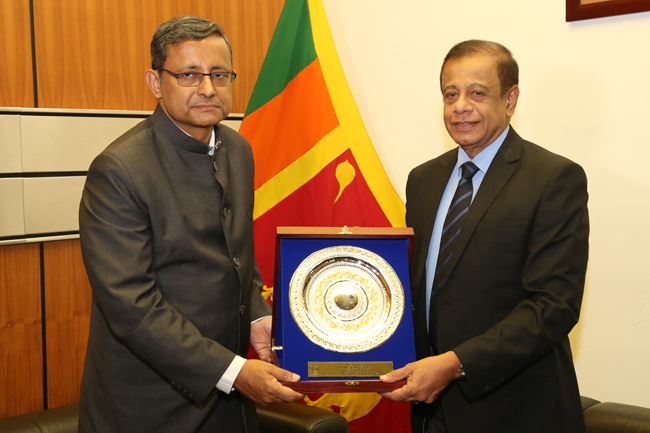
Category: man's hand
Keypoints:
(425, 379)
(261, 338)
(259, 381)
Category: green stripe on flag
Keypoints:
(291, 50)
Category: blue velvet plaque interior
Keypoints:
(294, 350)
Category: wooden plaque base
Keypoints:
(344, 386)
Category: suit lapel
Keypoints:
(501, 169)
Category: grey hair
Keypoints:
(179, 29)
(507, 67)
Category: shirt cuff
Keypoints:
(263, 317)
(228, 378)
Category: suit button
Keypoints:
(216, 167)
(242, 309)
(236, 260)
(226, 212)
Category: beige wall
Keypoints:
(584, 94)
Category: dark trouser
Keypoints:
(427, 418)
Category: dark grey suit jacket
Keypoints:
(167, 241)
(514, 293)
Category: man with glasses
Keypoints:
(166, 232)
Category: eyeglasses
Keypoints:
(194, 79)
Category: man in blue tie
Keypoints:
(498, 265)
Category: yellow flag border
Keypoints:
(352, 126)
(350, 134)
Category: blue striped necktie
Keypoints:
(448, 241)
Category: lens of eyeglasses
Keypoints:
(192, 79)
(222, 78)
(189, 79)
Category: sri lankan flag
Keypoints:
(316, 166)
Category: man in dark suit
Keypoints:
(167, 239)
(498, 265)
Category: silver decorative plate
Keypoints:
(346, 299)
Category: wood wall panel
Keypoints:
(67, 319)
(250, 29)
(93, 53)
(16, 83)
(21, 359)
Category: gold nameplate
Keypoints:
(349, 369)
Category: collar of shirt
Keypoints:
(213, 143)
(482, 161)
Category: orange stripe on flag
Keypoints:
(290, 124)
